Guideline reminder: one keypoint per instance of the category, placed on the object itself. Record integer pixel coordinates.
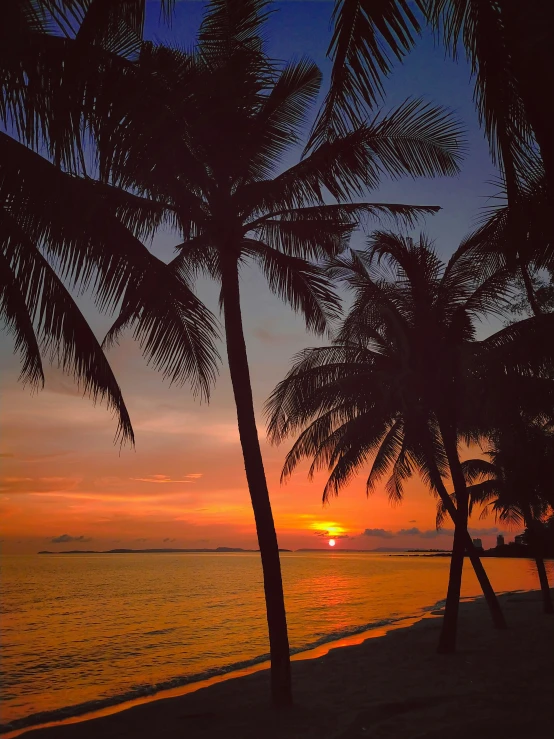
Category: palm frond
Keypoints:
(476, 469)
(15, 315)
(311, 387)
(366, 34)
(442, 513)
(279, 121)
(418, 139)
(229, 26)
(63, 334)
(304, 286)
(322, 231)
(524, 347)
(491, 297)
(387, 454)
(351, 451)
(415, 140)
(174, 329)
(88, 228)
(55, 59)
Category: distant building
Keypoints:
(477, 543)
(499, 540)
(520, 539)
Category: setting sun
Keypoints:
(332, 542)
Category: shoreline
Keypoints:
(333, 674)
(74, 715)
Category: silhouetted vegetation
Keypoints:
(508, 46)
(59, 223)
(406, 380)
(515, 484)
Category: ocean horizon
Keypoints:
(85, 632)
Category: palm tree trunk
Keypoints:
(531, 297)
(536, 548)
(545, 589)
(490, 596)
(447, 640)
(281, 690)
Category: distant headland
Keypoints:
(507, 550)
(153, 551)
(381, 550)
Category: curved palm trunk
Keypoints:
(539, 561)
(490, 596)
(545, 589)
(273, 586)
(447, 640)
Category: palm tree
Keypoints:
(202, 138)
(396, 384)
(59, 226)
(509, 48)
(515, 483)
(492, 244)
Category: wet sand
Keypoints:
(498, 684)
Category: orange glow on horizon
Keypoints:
(64, 485)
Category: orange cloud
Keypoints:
(162, 479)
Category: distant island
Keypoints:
(505, 550)
(153, 551)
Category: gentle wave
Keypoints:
(142, 691)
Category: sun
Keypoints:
(332, 542)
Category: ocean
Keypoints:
(79, 632)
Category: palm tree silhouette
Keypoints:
(396, 385)
(506, 42)
(59, 226)
(515, 484)
(202, 137)
(492, 244)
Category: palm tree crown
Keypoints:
(399, 384)
(58, 226)
(205, 140)
(509, 49)
(392, 365)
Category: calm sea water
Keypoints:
(82, 631)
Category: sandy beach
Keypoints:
(499, 684)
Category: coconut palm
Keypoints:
(340, 372)
(397, 382)
(509, 48)
(56, 58)
(203, 138)
(515, 484)
(57, 225)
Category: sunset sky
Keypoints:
(63, 482)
